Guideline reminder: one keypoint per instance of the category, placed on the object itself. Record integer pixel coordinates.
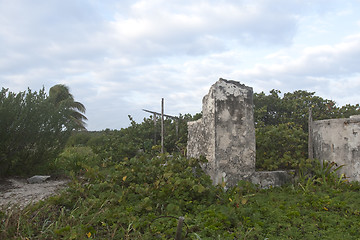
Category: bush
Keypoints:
(32, 132)
(34, 128)
(75, 159)
(282, 146)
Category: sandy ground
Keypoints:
(17, 192)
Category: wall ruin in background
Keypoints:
(338, 140)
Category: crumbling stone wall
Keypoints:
(225, 134)
(338, 140)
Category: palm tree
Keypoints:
(61, 97)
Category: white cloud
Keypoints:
(163, 27)
(324, 60)
(119, 57)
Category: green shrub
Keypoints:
(33, 131)
(283, 146)
(75, 159)
(142, 198)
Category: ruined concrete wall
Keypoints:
(201, 134)
(225, 134)
(267, 179)
(235, 130)
(338, 140)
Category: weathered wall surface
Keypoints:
(338, 140)
(266, 179)
(225, 134)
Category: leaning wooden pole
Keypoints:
(177, 119)
(177, 127)
(310, 139)
(162, 125)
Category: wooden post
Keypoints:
(154, 128)
(176, 119)
(179, 228)
(310, 139)
(162, 125)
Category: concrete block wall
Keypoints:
(338, 140)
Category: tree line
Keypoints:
(281, 126)
(35, 128)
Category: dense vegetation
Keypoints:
(123, 188)
(142, 198)
(282, 126)
(34, 128)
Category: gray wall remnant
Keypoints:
(266, 179)
(225, 134)
(338, 140)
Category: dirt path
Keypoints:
(17, 192)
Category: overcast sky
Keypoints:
(121, 56)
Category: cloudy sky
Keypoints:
(121, 56)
